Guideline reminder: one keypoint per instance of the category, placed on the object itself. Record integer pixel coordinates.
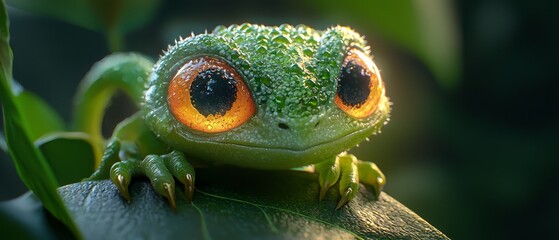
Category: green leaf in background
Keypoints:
(69, 154)
(231, 203)
(426, 28)
(40, 118)
(30, 163)
(112, 17)
(3, 145)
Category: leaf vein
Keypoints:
(285, 210)
(204, 226)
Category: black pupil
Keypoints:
(353, 85)
(213, 91)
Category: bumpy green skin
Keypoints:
(292, 74)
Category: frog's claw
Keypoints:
(345, 198)
(122, 186)
(170, 194)
(189, 186)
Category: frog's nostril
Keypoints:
(316, 125)
(283, 126)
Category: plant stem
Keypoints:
(115, 40)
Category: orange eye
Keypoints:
(359, 85)
(208, 95)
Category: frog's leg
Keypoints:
(349, 171)
(135, 151)
(127, 72)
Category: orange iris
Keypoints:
(362, 77)
(218, 101)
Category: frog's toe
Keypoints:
(349, 178)
(121, 174)
(181, 170)
(371, 175)
(328, 174)
(161, 179)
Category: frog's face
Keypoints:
(266, 97)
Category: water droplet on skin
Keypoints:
(219, 28)
(266, 81)
(308, 52)
(232, 27)
(275, 32)
(295, 68)
(325, 74)
(262, 50)
(244, 26)
(298, 39)
(281, 39)
(285, 28)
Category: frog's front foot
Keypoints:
(160, 169)
(349, 171)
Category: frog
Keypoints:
(250, 96)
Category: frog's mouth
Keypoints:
(304, 148)
(277, 157)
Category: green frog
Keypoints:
(247, 95)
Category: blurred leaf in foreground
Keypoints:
(30, 163)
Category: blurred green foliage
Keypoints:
(112, 17)
(70, 155)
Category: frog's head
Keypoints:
(266, 97)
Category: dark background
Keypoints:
(477, 161)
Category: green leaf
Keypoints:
(30, 163)
(241, 204)
(25, 218)
(112, 17)
(428, 29)
(70, 155)
(39, 117)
